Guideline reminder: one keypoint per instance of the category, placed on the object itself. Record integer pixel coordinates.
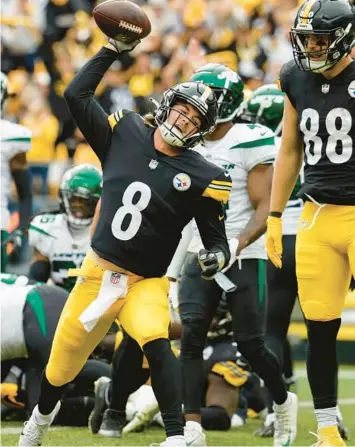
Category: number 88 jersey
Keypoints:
(326, 114)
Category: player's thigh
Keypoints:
(72, 343)
(145, 314)
(322, 265)
(198, 298)
(247, 302)
(282, 288)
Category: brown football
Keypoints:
(122, 20)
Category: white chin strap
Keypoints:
(171, 134)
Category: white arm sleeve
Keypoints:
(178, 260)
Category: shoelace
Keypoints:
(281, 425)
(318, 438)
(34, 432)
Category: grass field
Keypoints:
(62, 436)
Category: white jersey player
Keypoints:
(15, 143)
(247, 151)
(61, 239)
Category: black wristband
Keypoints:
(275, 214)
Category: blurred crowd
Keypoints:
(45, 42)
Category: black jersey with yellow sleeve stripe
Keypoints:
(147, 197)
(326, 114)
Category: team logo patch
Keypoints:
(182, 182)
(115, 278)
(351, 89)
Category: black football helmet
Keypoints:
(198, 95)
(334, 19)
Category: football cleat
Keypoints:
(267, 430)
(33, 432)
(286, 422)
(95, 418)
(329, 437)
(194, 437)
(112, 424)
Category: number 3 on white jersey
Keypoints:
(132, 209)
(338, 123)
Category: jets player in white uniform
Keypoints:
(61, 239)
(266, 106)
(247, 151)
(15, 142)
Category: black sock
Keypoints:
(265, 364)
(49, 396)
(288, 361)
(166, 382)
(127, 373)
(322, 362)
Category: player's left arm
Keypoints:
(259, 190)
(22, 178)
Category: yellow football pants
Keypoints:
(325, 259)
(143, 313)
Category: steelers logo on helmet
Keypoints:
(182, 182)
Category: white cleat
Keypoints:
(286, 422)
(174, 441)
(194, 437)
(33, 432)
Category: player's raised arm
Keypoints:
(87, 113)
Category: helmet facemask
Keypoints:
(338, 47)
(198, 96)
(173, 134)
(79, 192)
(79, 207)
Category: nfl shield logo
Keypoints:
(153, 164)
(115, 278)
(325, 88)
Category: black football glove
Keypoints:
(211, 262)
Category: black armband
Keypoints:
(275, 214)
(40, 271)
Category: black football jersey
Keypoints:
(147, 197)
(326, 113)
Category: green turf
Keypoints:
(241, 437)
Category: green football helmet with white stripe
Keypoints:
(79, 192)
(266, 106)
(226, 85)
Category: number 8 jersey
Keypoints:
(326, 113)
